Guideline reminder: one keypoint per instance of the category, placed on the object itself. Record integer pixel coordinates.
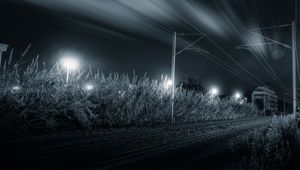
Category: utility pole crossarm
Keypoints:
(245, 46)
(190, 34)
(189, 45)
(274, 41)
(271, 27)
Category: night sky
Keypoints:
(127, 35)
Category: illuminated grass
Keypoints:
(43, 101)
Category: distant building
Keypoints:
(265, 99)
(3, 48)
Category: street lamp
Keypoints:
(168, 83)
(88, 87)
(214, 91)
(70, 64)
(237, 96)
(16, 88)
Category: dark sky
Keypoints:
(127, 35)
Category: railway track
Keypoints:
(107, 134)
(141, 153)
(218, 155)
(84, 144)
(81, 142)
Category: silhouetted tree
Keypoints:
(192, 84)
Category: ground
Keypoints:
(186, 146)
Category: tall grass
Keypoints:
(268, 149)
(46, 102)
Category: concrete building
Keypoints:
(265, 99)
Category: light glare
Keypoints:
(237, 95)
(88, 87)
(214, 91)
(70, 63)
(16, 88)
(168, 83)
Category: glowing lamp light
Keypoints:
(237, 95)
(70, 63)
(168, 83)
(214, 91)
(16, 88)
(88, 87)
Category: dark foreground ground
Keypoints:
(205, 145)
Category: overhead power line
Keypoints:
(270, 27)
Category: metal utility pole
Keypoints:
(264, 105)
(173, 76)
(173, 67)
(294, 66)
(283, 104)
(294, 53)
